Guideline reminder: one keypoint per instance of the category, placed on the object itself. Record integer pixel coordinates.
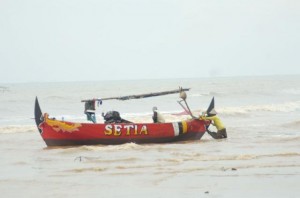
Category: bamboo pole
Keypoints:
(139, 95)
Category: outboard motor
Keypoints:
(114, 117)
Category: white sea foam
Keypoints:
(282, 107)
(128, 146)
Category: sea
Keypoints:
(260, 157)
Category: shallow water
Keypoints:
(260, 158)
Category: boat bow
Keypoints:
(38, 115)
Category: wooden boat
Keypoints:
(63, 133)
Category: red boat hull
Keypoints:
(61, 133)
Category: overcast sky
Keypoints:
(81, 40)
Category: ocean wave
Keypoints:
(127, 146)
(18, 129)
(101, 160)
(4, 89)
(239, 110)
(203, 157)
(292, 91)
(283, 107)
(293, 124)
(285, 139)
(90, 169)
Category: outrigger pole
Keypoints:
(139, 96)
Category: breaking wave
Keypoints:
(127, 146)
(283, 107)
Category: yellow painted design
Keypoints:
(61, 125)
(184, 127)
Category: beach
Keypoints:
(260, 157)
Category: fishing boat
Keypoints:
(64, 133)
